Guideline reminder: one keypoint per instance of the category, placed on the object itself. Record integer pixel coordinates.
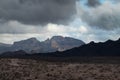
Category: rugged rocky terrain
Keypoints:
(28, 69)
(32, 45)
(108, 49)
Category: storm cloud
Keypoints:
(37, 11)
(94, 20)
(93, 3)
(106, 16)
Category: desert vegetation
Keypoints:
(28, 69)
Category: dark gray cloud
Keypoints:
(106, 16)
(116, 1)
(93, 3)
(37, 11)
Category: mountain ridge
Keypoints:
(56, 43)
(102, 49)
(108, 48)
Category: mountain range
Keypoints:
(109, 49)
(32, 45)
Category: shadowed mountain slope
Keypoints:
(109, 49)
(56, 43)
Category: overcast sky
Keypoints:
(87, 20)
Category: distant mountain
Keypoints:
(109, 49)
(56, 43)
(4, 47)
(27, 45)
(63, 43)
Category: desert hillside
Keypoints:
(28, 69)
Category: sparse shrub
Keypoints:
(17, 75)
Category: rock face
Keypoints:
(102, 49)
(64, 43)
(109, 48)
(56, 43)
(26, 45)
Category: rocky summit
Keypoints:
(56, 43)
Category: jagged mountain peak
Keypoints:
(106, 49)
(57, 38)
(92, 42)
(67, 39)
(64, 43)
(30, 40)
(56, 43)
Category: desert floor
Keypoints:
(28, 69)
